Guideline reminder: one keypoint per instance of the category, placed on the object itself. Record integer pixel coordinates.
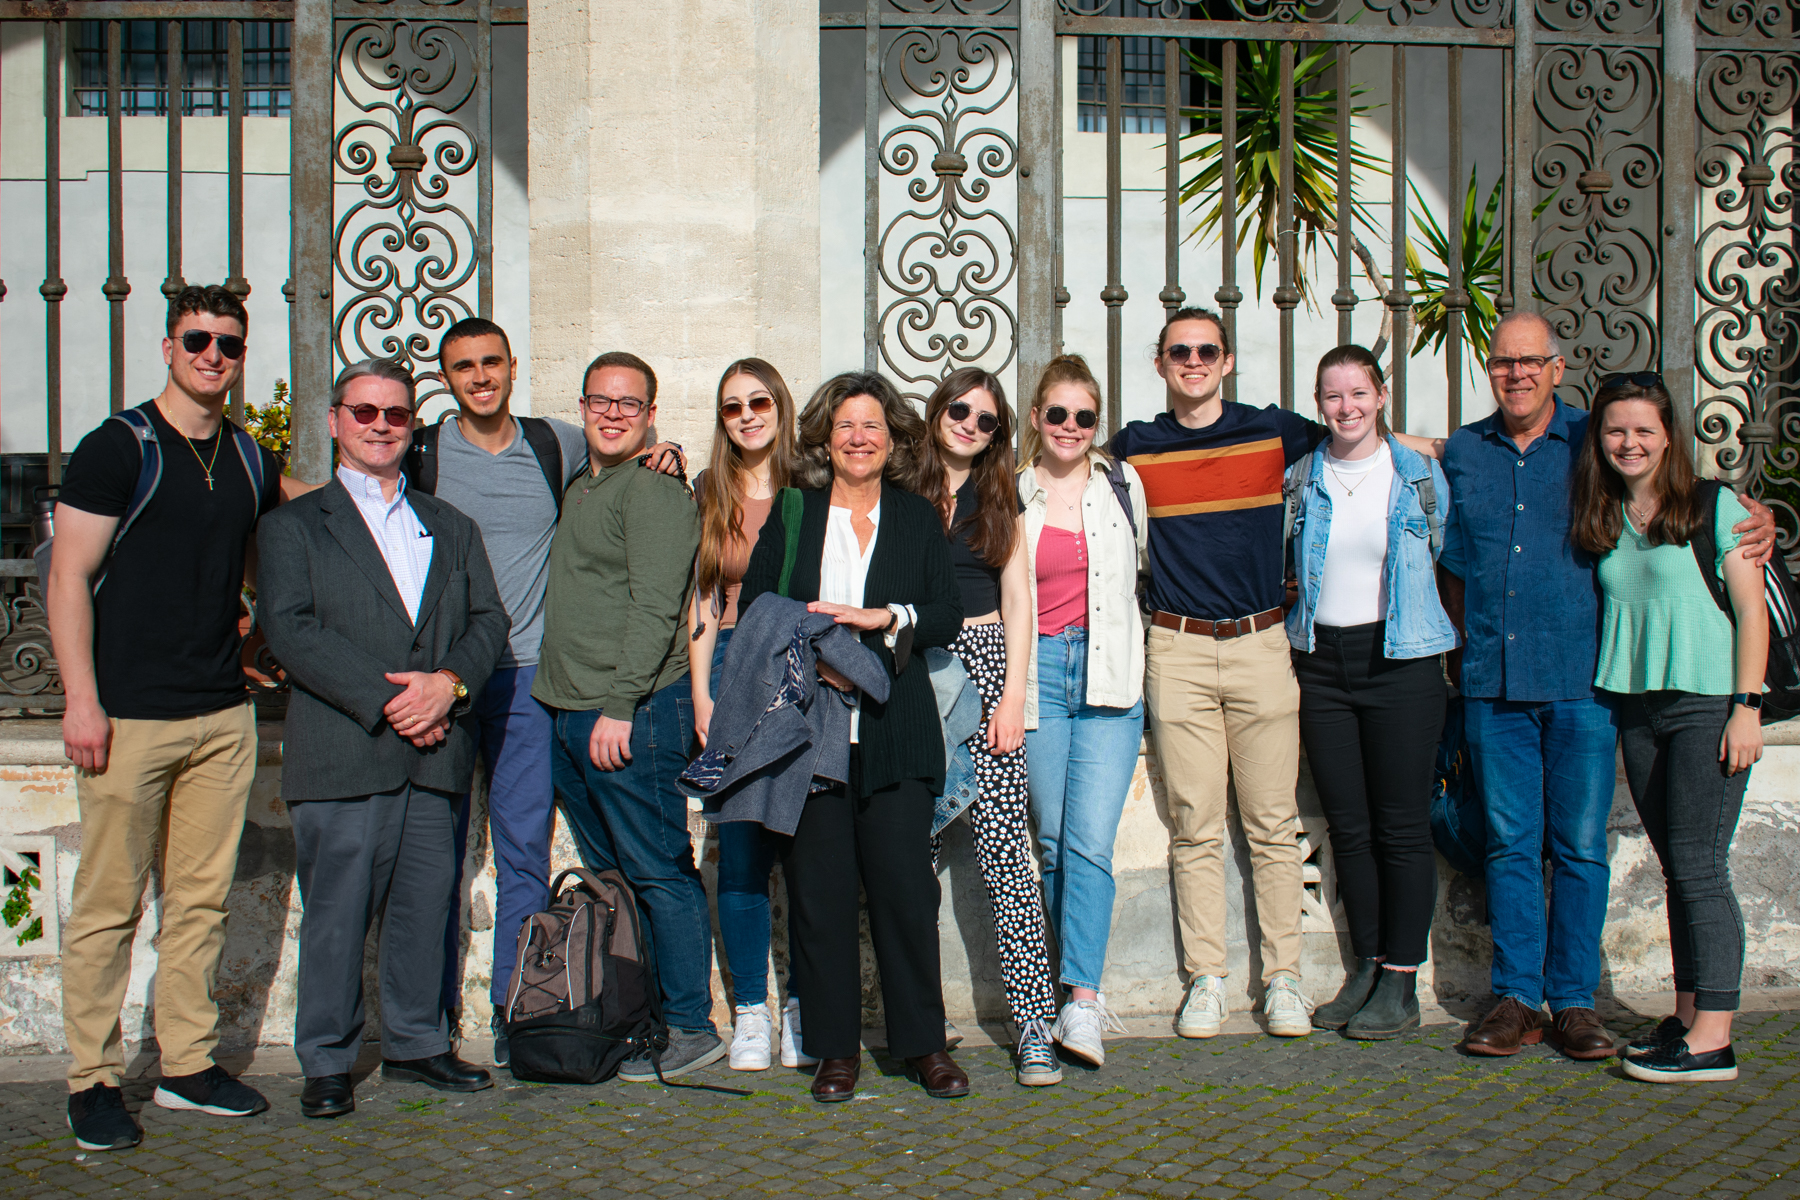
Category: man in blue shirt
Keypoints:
(1543, 743)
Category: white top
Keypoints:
(843, 570)
(1354, 589)
(404, 543)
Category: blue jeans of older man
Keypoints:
(634, 820)
(1547, 772)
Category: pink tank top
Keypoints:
(1062, 567)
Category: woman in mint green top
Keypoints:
(1688, 681)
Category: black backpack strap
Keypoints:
(540, 435)
(1706, 547)
(250, 453)
(1115, 476)
(419, 464)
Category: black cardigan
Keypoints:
(903, 738)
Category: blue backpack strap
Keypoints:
(149, 466)
(250, 452)
(1115, 476)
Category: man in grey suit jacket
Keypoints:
(381, 605)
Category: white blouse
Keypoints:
(843, 574)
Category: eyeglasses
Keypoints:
(195, 341)
(959, 411)
(1530, 364)
(731, 410)
(628, 406)
(1643, 379)
(1087, 418)
(398, 415)
(1207, 352)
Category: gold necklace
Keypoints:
(204, 465)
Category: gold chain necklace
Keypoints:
(204, 465)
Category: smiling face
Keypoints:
(375, 448)
(1067, 442)
(749, 431)
(480, 374)
(1349, 401)
(612, 436)
(207, 376)
(859, 440)
(1526, 397)
(963, 440)
(1194, 380)
(1633, 439)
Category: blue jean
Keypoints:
(634, 820)
(1080, 760)
(1547, 771)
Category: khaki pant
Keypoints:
(172, 797)
(1217, 704)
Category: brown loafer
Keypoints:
(940, 1075)
(1578, 1033)
(835, 1079)
(1508, 1028)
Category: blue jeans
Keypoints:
(1547, 771)
(1080, 760)
(634, 820)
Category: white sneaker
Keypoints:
(1204, 1011)
(1081, 1029)
(750, 1037)
(1289, 1012)
(791, 1054)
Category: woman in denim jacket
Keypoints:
(1367, 631)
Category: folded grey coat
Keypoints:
(777, 733)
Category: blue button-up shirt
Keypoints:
(1532, 601)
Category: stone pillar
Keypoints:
(674, 196)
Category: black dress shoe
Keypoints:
(445, 1072)
(835, 1079)
(327, 1096)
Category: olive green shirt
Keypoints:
(617, 591)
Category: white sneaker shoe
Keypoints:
(750, 1031)
(791, 1054)
(1289, 1012)
(1204, 1011)
(1081, 1029)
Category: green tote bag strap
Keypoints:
(792, 506)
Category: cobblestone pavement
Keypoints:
(1237, 1116)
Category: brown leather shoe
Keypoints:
(1508, 1028)
(940, 1075)
(835, 1079)
(1578, 1033)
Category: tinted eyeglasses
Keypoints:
(1643, 379)
(195, 341)
(959, 411)
(1207, 352)
(731, 410)
(1086, 418)
(398, 415)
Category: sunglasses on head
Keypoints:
(398, 415)
(195, 341)
(731, 410)
(1207, 352)
(1056, 414)
(1643, 379)
(959, 411)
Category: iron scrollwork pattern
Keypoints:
(1599, 17)
(406, 250)
(1761, 18)
(1747, 336)
(28, 670)
(948, 254)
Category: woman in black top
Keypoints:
(966, 471)
(873, 556)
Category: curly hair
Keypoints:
(906, 429)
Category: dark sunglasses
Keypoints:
(1206, 352)
(1643, 379)
(1056, 414)
(731, 410)
(195, 341)
(959, 411)
(399, 416)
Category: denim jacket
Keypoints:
(959, 708)
(1417, 625)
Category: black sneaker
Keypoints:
(502, 1052)
(98, 1119)
(1667, 1030)
(210, 1091)
(689, 1050)
(1671, 1062)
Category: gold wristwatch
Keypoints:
(457, 687)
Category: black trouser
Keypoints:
(1371, 726)
(884, 838)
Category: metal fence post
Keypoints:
(1038, 197)
(314, 49)
(1675, 296)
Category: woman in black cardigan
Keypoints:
(873, 556)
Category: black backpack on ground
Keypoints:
(1781, 677)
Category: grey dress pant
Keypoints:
(353, 857)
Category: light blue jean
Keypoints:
(1547, 772)
(1080, 760)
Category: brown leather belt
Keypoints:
(1216, 629)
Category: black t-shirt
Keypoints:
(166, 638)
(979, 582)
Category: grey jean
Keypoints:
(1690, 808)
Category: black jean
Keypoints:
(885, 840)
(1690, 809)
(1371, 726)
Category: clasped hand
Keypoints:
(421, 713)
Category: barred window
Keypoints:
(144, 69)
(1142, 104)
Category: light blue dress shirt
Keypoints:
(404, 543)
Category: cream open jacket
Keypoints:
(1115, 626)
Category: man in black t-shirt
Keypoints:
(157, 723)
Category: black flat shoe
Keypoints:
(327, 1096)
(1672, 1062)
(445, 1072)
(1667, 1030)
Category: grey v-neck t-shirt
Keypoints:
(506, 496)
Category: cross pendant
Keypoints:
(209, 481)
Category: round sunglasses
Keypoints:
(195, 341)
(1207, 352)
(731, 410)
(399, 416)
(959, 411)
(1056, 415)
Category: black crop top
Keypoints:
(979, 582)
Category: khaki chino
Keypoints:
(172, 797)
(1218, 706)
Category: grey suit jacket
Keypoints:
(335, 621)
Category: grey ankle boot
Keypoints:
(1392, 1009)
(1351, 997)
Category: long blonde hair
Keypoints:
(1064, 368)
(720, 491)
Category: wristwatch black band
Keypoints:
(1752, 700)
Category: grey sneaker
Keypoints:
(1037, 1065)
(1204, 1011)
(689, 1050)
(1289, 1013)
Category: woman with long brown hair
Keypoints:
(753, 457)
